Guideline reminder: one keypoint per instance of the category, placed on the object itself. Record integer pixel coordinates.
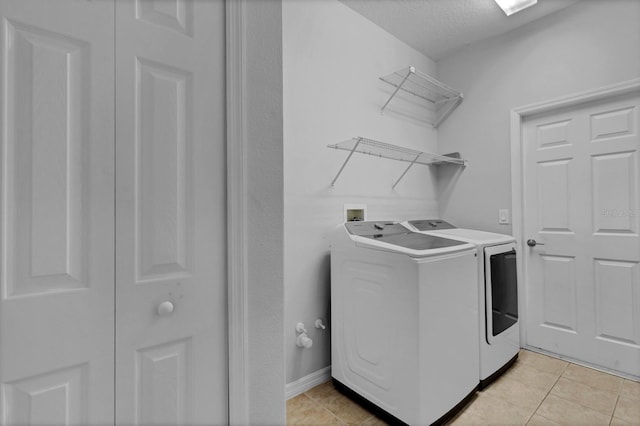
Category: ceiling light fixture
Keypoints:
(512, 6)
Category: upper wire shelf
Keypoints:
(393, 152)
(409, 80)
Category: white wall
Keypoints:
(264, 177)
(332, 58)
(586, 46)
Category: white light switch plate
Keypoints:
(503, 216)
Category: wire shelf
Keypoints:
(424, 86)
(394, 152)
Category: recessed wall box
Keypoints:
(355, 212)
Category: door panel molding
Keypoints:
(517, 118)
(56, 212)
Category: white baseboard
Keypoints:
(307, 382)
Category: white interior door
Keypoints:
(68, 257)
(57, 191)
(171, 204)
(581, 201)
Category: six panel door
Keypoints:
(582, 202)
(57, 169)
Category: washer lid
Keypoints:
(473, 236)
(394, 234)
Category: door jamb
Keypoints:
(235, 18)
(517, 165)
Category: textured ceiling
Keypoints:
(438, 28)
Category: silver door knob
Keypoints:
(532, 243)
(165, 308)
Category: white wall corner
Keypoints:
(307, 382)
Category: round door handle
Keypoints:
(532, 243)
(165, 308)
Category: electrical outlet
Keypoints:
(503, 216)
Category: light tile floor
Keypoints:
(536, 390)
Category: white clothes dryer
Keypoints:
(498, 293)
(404, 317)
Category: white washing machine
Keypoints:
(498, 293)
(404, 317)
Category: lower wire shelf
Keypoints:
(393, 152)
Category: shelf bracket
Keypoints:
(406, 170)
(453, 105)
(346, 161)
(411, 71)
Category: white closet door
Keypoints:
(582, 201)
(57, 190)
(171, 204)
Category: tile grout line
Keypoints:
(318, 402)
(370, 415)
(525, 363)
(615, 406)
(314, 400)
(584, 406)
(588, 385)
(366, 420)
(324, 407)
(548, 392)
(321, 405)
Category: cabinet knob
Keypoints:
(165, 308)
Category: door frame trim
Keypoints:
(517, 118)
(235, 22)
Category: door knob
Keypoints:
(165, 308)
(532, 243)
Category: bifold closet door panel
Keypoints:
(58, 196)
(171, 346)
(57, 192)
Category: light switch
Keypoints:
(503, 216)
